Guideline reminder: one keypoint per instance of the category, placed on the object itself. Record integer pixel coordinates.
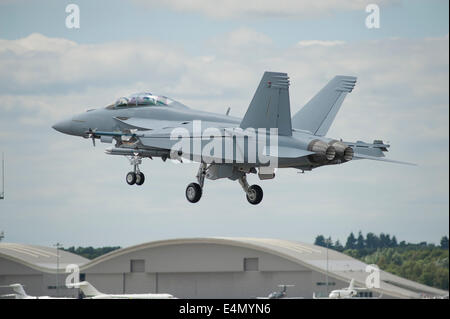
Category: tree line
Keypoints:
(422, 262)
(90, 252)
(372, 242)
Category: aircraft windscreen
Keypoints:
(142, 99)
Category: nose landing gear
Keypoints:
(194, 191)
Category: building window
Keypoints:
(330, 283)
(82, 277)
(137, 265)
(251, 264)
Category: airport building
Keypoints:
(40, 269)
(203, 268)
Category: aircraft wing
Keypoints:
(166, 135)
(383, 159)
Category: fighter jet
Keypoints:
(147, 125)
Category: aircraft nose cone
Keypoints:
(63, 126)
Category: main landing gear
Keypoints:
(194, 191)
(254, 193)
(136, 176)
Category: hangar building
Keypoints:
(205, 268)
(35, 267)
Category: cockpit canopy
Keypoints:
(142, 99)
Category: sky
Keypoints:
(210, 55)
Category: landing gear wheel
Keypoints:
(140, 178)
(254, 194)
(131, 178)
(193, 192)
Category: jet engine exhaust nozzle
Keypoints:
(348, 154)
(323, 151)
(343, 151)
(330, 153)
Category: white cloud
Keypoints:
(307, 43)
(36, 42)
(244, 37)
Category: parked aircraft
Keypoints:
(146, 125)
(21, 294)
(282, 294)
(349, 292)
(90, 292)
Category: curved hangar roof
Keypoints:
(340, 266)
(39, 257)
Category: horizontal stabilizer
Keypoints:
(319, 113)
(270, 106)
(384, 159)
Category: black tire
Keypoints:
(193, 192)
(131, 178)
(140, 178)
(254, 194)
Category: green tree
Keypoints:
(360, 241)
(444, 242)
(338, 246)
(422, 262)
(351, 242)
(320, 241)
(372, 241)
(385, 240)
(90, 252)
(394, 242)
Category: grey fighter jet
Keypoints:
(146, 125)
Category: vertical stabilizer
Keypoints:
(87, 289)
(18, 289)
(352, 284)
(270, 107)
(319, 113)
